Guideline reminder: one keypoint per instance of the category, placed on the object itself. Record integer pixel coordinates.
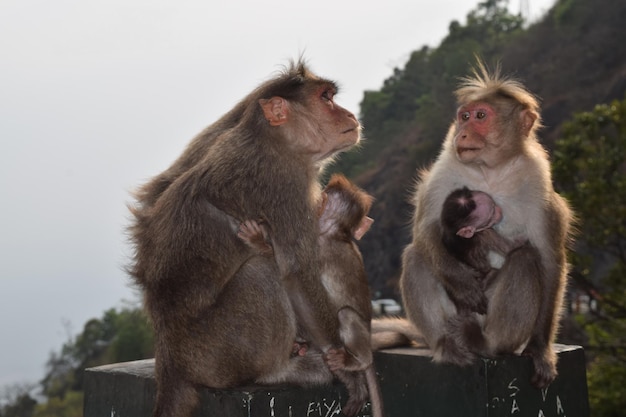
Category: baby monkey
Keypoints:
(467, 220)
(342, 218)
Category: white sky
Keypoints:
(96, 96)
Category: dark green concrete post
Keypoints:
(412, 385)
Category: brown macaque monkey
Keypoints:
(342, 218)
(490, 147)
(467, 220)
(200, 281)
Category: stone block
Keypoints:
(412, 385)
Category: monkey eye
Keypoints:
(328, 95)
(465, 115)
(480, 114)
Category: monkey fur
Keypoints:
(200, 282)
(490, 147)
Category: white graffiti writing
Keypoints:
(515, 389)
(559, 407)
(323, 409)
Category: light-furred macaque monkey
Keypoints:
(342, 217)
(467, 220)
(490, 147)
(200, 281)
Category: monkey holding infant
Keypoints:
(223, 314)
(491, 147)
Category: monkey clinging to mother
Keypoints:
(231, 306)
(223, 314)
(491, 147)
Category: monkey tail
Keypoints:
(376, 397)
(389, 332)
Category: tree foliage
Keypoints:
(420, 94)
(590, 165)
(118, 336)
(574, 58)
(16, 400)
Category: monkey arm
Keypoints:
(312, 309)
(297, 255)
(553, 267)
(461, 281)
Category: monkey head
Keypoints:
(466, 212)
(495, 118)
(485, 215)
(316, 125)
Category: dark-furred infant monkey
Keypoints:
(342, 217)
(467, 220)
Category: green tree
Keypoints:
(69, 406)
(417, 99)
(16, 400)
(590, 166)
(23, 406)
(119, 335)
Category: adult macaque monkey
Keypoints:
(491, 147)
(200, 281)
(467, 220)
(343, 216)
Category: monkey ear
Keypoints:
(275, 110)
(466, 232)
(363, 227)
(322, 206)
(528, 120)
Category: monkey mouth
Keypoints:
(463, 150)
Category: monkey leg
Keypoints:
(246, 334)
(430, 309)
(354, 332)
(515, 298)
(307, 370)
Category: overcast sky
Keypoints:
(97, 96)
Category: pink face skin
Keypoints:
(474, 122)
(487, 214)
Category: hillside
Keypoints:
(572, 59)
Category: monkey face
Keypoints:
(338, 128)
(474, 123)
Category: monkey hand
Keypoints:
(469, 298)
(253, 235)
(336, 359)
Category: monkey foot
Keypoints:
(452, 350)
(299, 349)
(545, 369)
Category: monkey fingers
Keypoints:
(253, 235)
(249, 230)
(335, 359)
(299, 348)
(544, 364)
